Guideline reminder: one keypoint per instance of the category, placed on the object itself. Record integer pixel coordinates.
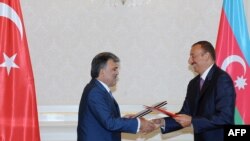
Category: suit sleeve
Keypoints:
(170, 124)
(103, 110)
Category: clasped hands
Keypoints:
(183, 119)
(148, 126)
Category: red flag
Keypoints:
(18, 108)
(233, 54)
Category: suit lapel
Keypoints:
(201, 94)
(207, 84)
(208, 81)
(115, 106)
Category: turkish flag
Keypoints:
(231, 49)
(18, 108)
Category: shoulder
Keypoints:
(221, 74)
(94, 89)
(194, 80)
(223, 80)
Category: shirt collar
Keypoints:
(104, 85)
(204, 75)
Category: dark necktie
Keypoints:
(111, 94)
(116, 104)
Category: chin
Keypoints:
(113, 84)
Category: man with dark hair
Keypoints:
(99, 116)
(210, 98)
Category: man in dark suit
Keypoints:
(210, 98)
(99, 116)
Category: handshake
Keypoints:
(148, 126)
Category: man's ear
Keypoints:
(101, 73)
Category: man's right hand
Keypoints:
(160, 122)
(147, 126)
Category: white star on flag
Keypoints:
(9, 62)
(240, 82)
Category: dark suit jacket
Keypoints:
(99, 116)
(211, 108)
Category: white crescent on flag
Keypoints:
(233, 58)
(8, 12)
(241, 81)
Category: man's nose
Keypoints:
(190, 60)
